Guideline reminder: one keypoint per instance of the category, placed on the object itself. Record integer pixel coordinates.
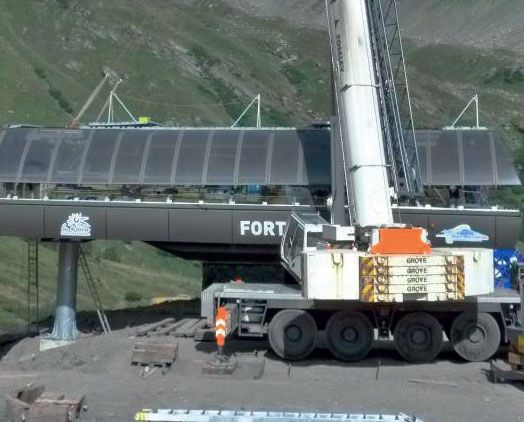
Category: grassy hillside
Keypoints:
(485, 24)
(444, 77)
(185, 62)
(200, 62)
(131, 274)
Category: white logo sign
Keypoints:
(462, 233)
(262, 228)
(76, 226)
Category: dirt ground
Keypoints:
(98, 367)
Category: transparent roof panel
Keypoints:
(478, 164)
(190, 160)
(100, 156)
(128, 163)
(11, 148)
(69, 157)
(229, 157)
(422, 149)
(285, 158)
(159, 162)
(506, 172)
(444, 158)
(316, 165)
(38, 156)
(222, 158)
(253, 158)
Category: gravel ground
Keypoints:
(98, 367)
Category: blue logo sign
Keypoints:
(462, 233)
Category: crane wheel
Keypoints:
(418, 337)
(475, 336)
(349, 335)
(293, 334)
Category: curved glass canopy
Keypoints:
(207, 157)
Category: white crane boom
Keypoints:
(358, 106)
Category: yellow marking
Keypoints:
(369, 299)
(520, 344)
(460, 283)
(367, 293)
(141, 416)
(367, 288)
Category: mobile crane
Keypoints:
(370, 277)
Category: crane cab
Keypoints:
(303, 234)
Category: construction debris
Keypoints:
(34, 404)
(513, 370)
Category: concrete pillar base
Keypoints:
(47, 343)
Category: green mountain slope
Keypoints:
(444, 77)
(484, 24)
(185, 62)
(130, 274)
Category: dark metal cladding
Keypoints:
(502, 227)
(231, 157)
(213, 231)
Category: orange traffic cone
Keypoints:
(220, 328)
(221, 364)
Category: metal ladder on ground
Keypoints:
(32, 288)
(185, 415)
(397, 121)
(84, 265)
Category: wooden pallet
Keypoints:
(153, 327)
(186, 327)
(33, 403)
(154, 353)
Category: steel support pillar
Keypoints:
(65, 314)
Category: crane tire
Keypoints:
(418, 337)
(293, 334)
(349, 335)
(475, 336)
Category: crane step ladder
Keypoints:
(104, 322)
(184, 415)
